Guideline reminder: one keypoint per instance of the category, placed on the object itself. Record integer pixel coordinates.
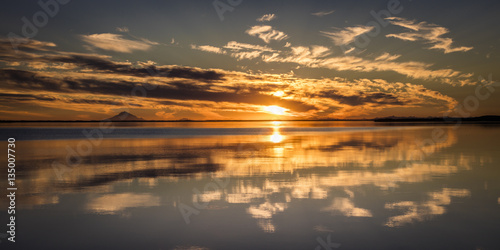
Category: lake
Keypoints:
(254, 185)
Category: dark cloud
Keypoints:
(30, 97)
(176, 90)
(22, 79)
(104, 64)
(24, 97)
(93, 101)
(362, 98)
(32, 51)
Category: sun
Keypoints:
(275, 110)
(279, 93)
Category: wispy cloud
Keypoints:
(237, 50)
(208, 48)
(322, 13)
(233, 45)
(266, 33)
(117, 43)
(207, 93)
(122, 29)
(242, 51)
(316, 56)
(266, 18)
(387, 57)
(304, 56)
(427, 32)
(349, 50)
(346, 35)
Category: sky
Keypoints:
(242, 59)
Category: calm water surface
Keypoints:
(262, 185)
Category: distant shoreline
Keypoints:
(489, 118)
(12, 121)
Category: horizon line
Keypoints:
(390, 118)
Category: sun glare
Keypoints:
(279, 93)
(276, 137)
(275, 110)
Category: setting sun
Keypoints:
(279, 93)
(275, 110)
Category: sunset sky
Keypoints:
(242, 59)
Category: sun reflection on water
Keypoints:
(276, 137)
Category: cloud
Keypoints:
(122, 29)
(349, 50)
(242, 51)
(430, 33)
(6, 45)
(117, 43)
(266, 33)
(102, 64)
(346, 35)
(266, 18)
(246, 55)
(314, 51)
(316, 56)
(237, 50)
(45, 97)
(95, 84)
(387, 57)
(322, 13)
(238, 92)
(208, 48)
(304, 56)
(101, 86)
(233, 45)
(362, 98)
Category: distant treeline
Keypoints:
(486, 118)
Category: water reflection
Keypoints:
(264, 213)
(276, 137)
(113, 203)
(346, 207)
(312, 163)
(354, 175)
(435, 205)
